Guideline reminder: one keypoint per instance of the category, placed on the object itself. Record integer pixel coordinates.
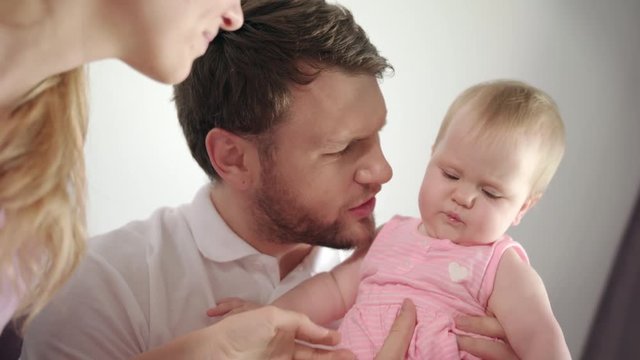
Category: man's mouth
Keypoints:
(365, 209)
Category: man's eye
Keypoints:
(449, 175)
(346, 150)
(341, 152)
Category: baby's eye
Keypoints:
(450, 175)
(491, 194)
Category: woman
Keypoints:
(43, 47)
(43, 118)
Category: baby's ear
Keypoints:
(531, 201)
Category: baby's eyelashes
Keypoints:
(492, 194)
(450, 174)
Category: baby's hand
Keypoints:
(230, 306)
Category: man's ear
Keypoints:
(232, 157)
(531, 201)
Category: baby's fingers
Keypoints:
(224, 306)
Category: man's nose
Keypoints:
(375, 169)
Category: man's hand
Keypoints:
(484, 348)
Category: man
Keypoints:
(283, 115)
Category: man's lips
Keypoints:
(365, 209)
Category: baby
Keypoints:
(497, 150)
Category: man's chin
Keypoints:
(360, 234)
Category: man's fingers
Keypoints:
(397, 342)
(481, 325)
(486, 349)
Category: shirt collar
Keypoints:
(215, 240)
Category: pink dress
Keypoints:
(442, 278)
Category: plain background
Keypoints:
(584, 53)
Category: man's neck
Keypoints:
(235, 212)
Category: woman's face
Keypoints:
(168, 35)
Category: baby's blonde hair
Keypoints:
(42, 189)
(510, 110)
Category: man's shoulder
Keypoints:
(126, 249)
(162, 224)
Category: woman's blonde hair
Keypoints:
(42, 189)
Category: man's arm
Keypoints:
(521, 305)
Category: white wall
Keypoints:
(583, 53)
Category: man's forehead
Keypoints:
(335, 108)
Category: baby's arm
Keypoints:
(521, 305)
(327, 296)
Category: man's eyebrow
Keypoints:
(344, 139)
(336, 142)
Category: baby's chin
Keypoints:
(452, 236)
(441, 233)
(472, 242)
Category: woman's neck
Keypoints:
(41, 38)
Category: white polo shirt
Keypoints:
(150, 281)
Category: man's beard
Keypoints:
(282, 219)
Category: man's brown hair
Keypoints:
(242, 83)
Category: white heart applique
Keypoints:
(457, 272)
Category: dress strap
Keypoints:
(499, 248)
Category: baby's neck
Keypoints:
(422, 229)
